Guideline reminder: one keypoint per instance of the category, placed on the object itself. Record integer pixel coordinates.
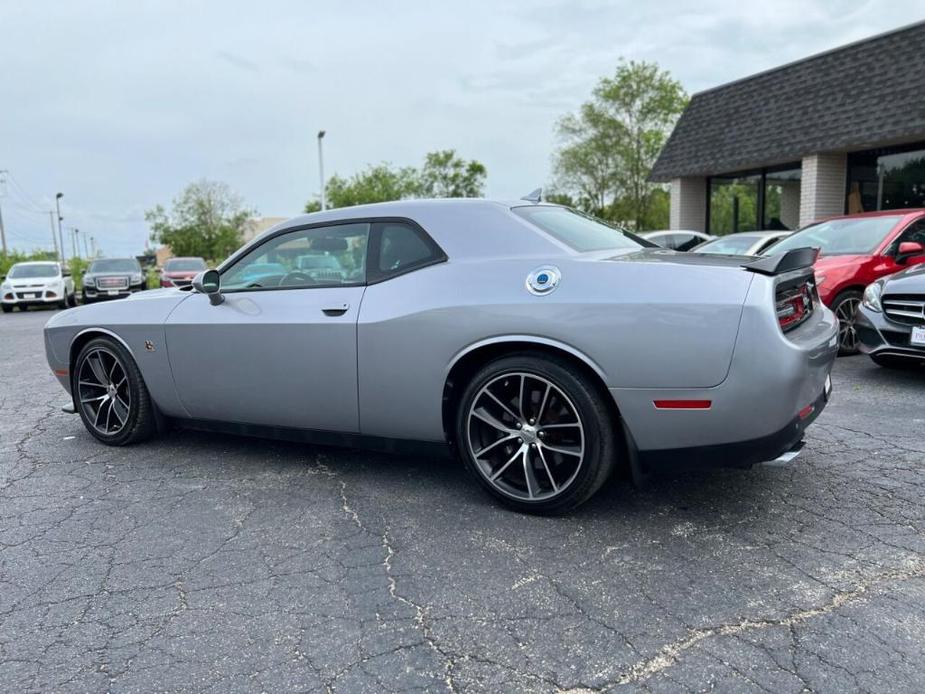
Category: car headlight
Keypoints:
(871, 299)
(136, 279)
(6, 285)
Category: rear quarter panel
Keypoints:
(638, 324)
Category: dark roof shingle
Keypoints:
(866, 93)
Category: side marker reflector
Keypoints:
(683, 404)
(60, 372)
(806, 411)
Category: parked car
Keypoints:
(179, 272)
(112, 278)
(679, 240)
(856, 250)
(37, 283)
(742, 243)
(891, 319)
(542, 346)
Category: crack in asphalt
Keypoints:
(670, 654)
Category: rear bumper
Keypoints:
(881, 337)
(740, 454)
(774, 389)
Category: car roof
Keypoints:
(906, 211)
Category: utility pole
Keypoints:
(93, 246)
(324, 205)
(2, 194)
(60, 230)
(74, 247)
(86, 250)
(54, 236)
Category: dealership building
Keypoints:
(838, 132)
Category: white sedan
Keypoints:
(37, 283)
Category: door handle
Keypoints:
(336, 310)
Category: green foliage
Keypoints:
(609, 146)
(78, 266)
(726, 199)
(205, 220)
(10, 259)
(444, 174)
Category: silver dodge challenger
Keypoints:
(543, 347)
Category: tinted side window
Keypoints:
(329, 256)
(399, 247)
(685, 242)
(914, 232)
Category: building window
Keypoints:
(782, 199)
(734, 203)
(755, 200)
(886, 179)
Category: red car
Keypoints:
(179, 272)
(854, 251)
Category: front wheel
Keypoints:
(7, 308)
(111, 395)
(536, 433)
(845, 308)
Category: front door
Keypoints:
(281, 349)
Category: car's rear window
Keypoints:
(851, 236)
(577, 231)
(185, 265)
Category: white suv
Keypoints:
(37, 284)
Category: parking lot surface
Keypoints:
(202, 562)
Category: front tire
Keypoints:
(111, 395)
(845, 308)
(536, 433)
(7, 308)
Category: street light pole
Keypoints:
(60, 230)
(76, 240)
(324, 205)
(86, 248)
(54, 237)
(2, 194)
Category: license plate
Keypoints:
(917, 337)
(37, 295)
(113, 292)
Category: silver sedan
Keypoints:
(542, 347)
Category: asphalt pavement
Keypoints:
(208, 563)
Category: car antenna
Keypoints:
(534, 197)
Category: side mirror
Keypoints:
(209, 282)
(907, 249)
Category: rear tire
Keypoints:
(536, 433)
(845, 307)
(111, 395)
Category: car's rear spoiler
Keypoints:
(796, 259)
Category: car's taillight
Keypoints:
(794, 302)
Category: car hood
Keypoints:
(32, 282)
(121, 273)
(911, 281)
(832, 262)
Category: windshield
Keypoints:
(115, 265)
(26, 271)
(734, 244)
(185, 265)
(858, 236)
(577, 231)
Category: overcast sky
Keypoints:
(120, 104)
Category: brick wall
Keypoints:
(689, 203)
(823, 186)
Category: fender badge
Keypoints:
(149, 345)
(543, 280)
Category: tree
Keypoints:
(206, 219)
(610, 145)
(444, 175)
